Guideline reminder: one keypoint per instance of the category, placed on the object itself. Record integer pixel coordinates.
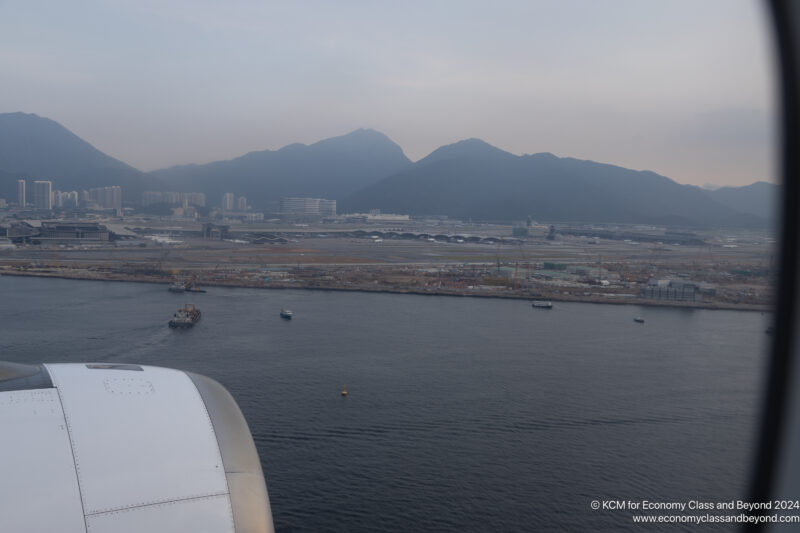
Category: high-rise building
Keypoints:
(227, 201)
(241, 204)
(43, 194)
(105, 197)
(65, 200)
(327, 207)
(151, 198)
(21, 193)
(197, 199)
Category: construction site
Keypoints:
(649, 266)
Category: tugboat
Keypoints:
(539, 304)
(194, 288)
(285, 313)
(191, 285)
(176, 287)
(185, 317)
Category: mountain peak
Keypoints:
(359, 141)
(543, 155)
(29, 122)
(21, 115)
(39, 147)
(471, 147)
(366, 133)
(361, 135)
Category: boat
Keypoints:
(176, 287)
(285, 313)
(185, 317)
(344, 390)
(542, 304)
(639, 319)
(194, 288)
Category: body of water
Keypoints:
(463, 414)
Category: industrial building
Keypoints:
(73, 231)
(215, 231)
(18, 231)
(312, 207)
(671, 289)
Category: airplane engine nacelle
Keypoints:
(95, 448)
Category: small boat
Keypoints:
(185, 317)
(176, 287)
(639, 319)
(344, 390)
(285, 313)
(542, 305)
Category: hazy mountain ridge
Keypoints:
(331, 168)
(471, 148)
(475, 180)
(40, 148)
(366, 170)
(759, 198)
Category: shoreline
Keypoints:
(433, 292)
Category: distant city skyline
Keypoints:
(681, 88)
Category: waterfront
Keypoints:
(463, 414)
(714, 270)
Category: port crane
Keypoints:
(164, 255)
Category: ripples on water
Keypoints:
(462, 414)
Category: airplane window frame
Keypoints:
(785, 20)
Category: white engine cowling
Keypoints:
(97, 448)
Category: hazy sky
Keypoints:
(683, 88)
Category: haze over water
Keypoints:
(462, 414)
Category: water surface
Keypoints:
(463, 413)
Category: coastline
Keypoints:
(594, 299)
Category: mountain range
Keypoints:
(333, 168)
(365, 170)
(472, 179)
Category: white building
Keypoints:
(65, 200)
(227, 201)
(308, 207)
(21, 193)
(105, 197)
